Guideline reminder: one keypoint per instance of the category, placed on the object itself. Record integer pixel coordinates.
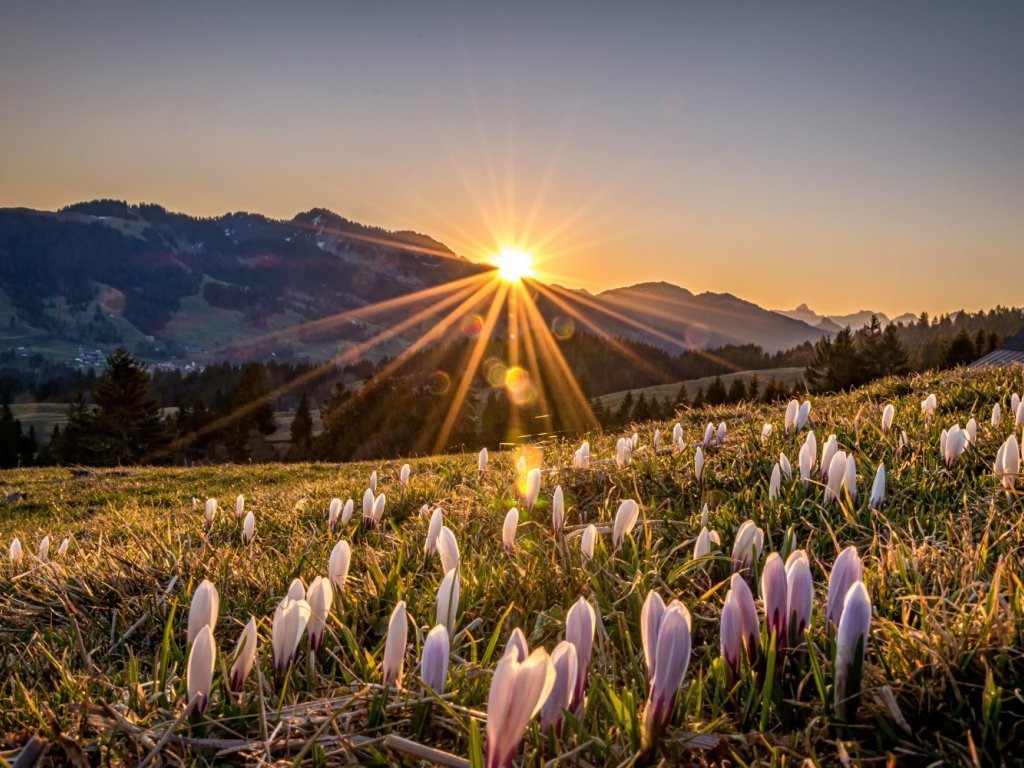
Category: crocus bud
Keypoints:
(698, 464)
(775, 483)
(199, 670)
(766, 431)
(239, 506)
(790, 419)
(64, 545)
(656, 442)
(709, 435)
(928, 406)
(320, 595)
(211, 512)
(971, 430)
(565, 661)
(887, 416)
(337, 566)
(532, 488)
(677, 437)
(434, 659)
(518, 690)
(703, 546)
(671, 659)
(802, 415)
(750, 626)
(296, 590)
(368, 507)
(557, 510)
(580, 626)
(448, 549)
(730, 635)
(786, 467)
(516, 645)
(800, 596)
(845, 571)
(997, 415)
(954, 444)
(836, 475)
(394, 646)
(44, 548)
(878, 489)
(806, 464)
(290, 620)
(481, 461)
(16, 553)
(851, 645)
(650, 621)
(747, 548)
(828, 452)
(625, 519)
(346, 511)
(203, 610)
(448, 600)
(587, 541)
(774, 594)
(244, 656)
(378, 509)
(403, 475)
(508, 529)
(433, 531)
(248, 527)
(333, 513)
(720, 435)
(373, 481)
(850, 476)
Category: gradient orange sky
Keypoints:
(848, 156)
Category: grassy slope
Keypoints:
(785, 376)
(943, 565)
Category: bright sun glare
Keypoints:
(513, 264)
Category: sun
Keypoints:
(513, 264)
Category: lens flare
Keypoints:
(513, 264)
(519, 386)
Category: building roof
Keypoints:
(1010, 353)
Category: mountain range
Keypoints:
(78, 282)
(835, 323)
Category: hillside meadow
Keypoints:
(95, 646)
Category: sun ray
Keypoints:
(474, 362)
(533, 364)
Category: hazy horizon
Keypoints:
(849, 158)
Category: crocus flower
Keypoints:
(64, 545)
(203, 610)
(828, 452)
(368, 499)
(656, 442)
(239, 505)
(346, 511)
(811, 441)
(532, 488)
(508, 529)
(199, 670)
(928, 406)
(850, 477)
(290, 620)
(565, 660)
(785, 466)
(433, 531)
(211, 511)
(1018, 417)
(845, 571)
(580, 626)
(730, 635)
(802, 414)
(373, 481)
(954, 444)
(518, 690)
(806, 463)
(650, 621)
(702, 548)
(296, 591)
(775, 596)
(1014, 402)
(378, 509)
(766, 431)
(403, 475)
(972, 431)
(709, 435)
(244, 656)
(333, 513)
(878, 489)
(790, 419)
(997, 415)
(750, 626)
(775, 483)
(623, 452)
(517, 645)
(44, 548)
(557, 510)
(1008, 462)
(248, 527)
(320, 595)
(394, 646)
(481, 461)
(448, 600)
(625, 519)
(887, 416)
(448, 549)
(588, 540)
(671, 657)
(677, 437)
(851, 645)
(434, 659)
(337, 566)
(698, 464)
(799, 596)
(836, 475)
(15, 551)
(704, 514)
(720, 434)
(746, 549)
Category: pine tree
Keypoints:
(716, 394)
(737, 391)
(301, 432)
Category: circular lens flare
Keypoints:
(513, 264)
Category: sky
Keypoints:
(846, 155)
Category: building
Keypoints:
(1010, 353)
